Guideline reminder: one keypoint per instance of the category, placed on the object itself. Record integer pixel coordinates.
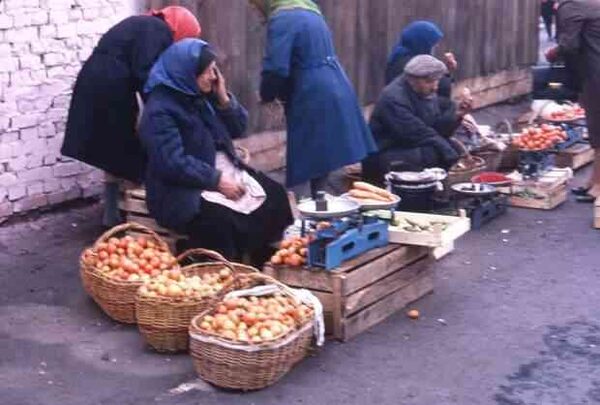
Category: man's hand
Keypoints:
(552, 54)
(230, 188)
(450, 61)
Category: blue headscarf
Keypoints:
(177, 67)
(418, 38)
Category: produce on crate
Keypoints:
(567, 113)
(365, 192)
(490, 178)
(418, 225)
(256, 319)
(540, 138)
(129, 259)
(175, 284)
(294, 251)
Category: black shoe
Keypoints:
(580, 190)
(585, 199)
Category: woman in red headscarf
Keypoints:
(103, 113)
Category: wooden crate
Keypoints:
(548, 201)
(133, 204)
(597, 214)
(456, 227)
(550, 190)
(366, 290)
(576, 156)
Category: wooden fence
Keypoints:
(488, 37)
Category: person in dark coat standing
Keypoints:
(412, 124)
(420, 38)
(195, 182)
(103, 113)
(579, 46)
(326, 129)
(547, 12)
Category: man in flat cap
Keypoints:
(412, 124)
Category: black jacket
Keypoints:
(181, 135)
(403, 119)
(102, 117)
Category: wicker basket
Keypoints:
(246, 366)
(164, 322)
(115, 297)
(461, 176)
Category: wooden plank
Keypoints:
(368, 257)
(381, 267)
(548, 203)
(575, 157)
(148, 222)
(439, 253)
(135, 206)
(314, 280)
(136, 193)
(394, 282)
(389, 305)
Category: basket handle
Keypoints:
(127, 226)
(216, 256)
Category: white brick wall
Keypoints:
(42, 46)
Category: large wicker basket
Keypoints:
(163, 321)
(245, 366)
(115, 297)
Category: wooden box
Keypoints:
(366, 290)
(133, 204)
(456, 227)
(576, 156)
(545, 193)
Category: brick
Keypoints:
(6, 21)
(51, 186)
(24, 121)
(92, 190)
(9, 64)
(30, 203)
(8, 179)
(60, 4)
(91, 13)
(5, 209)
(12, 5)
(34, 161)
(46, 130)
(46, 45)
(40, 17)
(16, 192)
(66, 30)
(30, 62)
(49, 160)
(53, 59)
(21, 48)
(6, 137)
(62, 196)
(67, 169)
(5, 49)
(48, 31)
(5, 150)
(4, 123)
(35, 188)
(29, 134)
(39, 173)
(60, 127)
(3, 195)
(61, 101)
(22, 35)
(17, 164)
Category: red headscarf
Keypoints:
(182, 22)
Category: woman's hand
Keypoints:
(231, 188)
(450, 61)
(220, 89)
(552, 54)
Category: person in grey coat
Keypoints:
(412, 125)
(579, 47)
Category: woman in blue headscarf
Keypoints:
(419, 38)
(325, 126)
(195, 182)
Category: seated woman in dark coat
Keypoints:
(420, 38)
(195, 182)
(412, 124)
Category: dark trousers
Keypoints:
(548, 22)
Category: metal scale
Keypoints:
(482, 202)
(350, 232)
